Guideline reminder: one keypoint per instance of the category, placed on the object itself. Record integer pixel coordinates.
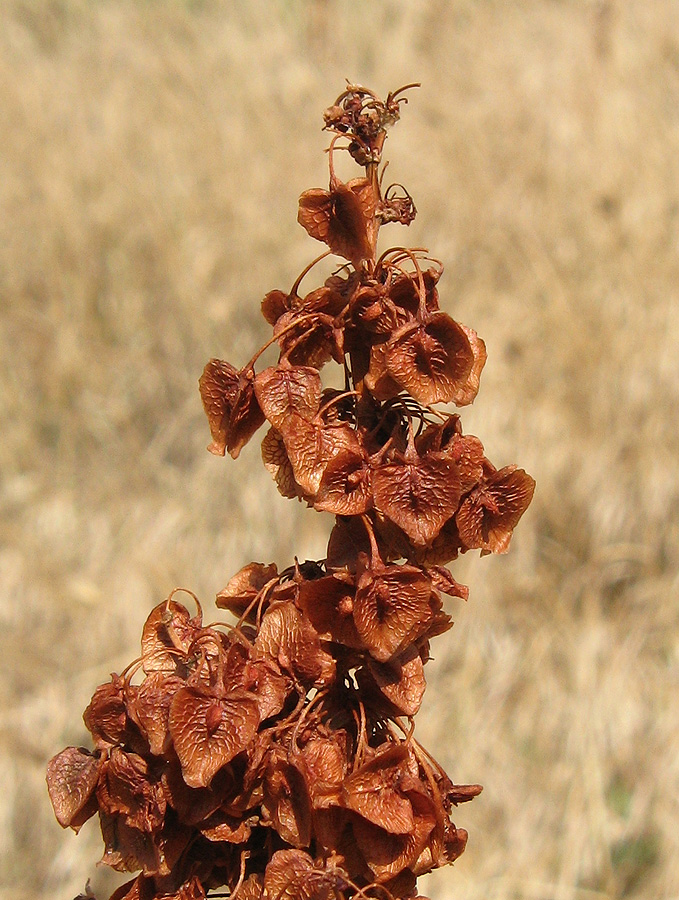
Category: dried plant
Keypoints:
(276, 756)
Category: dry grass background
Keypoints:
(151, 155)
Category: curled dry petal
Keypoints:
(343, 218)
(72, 776)
(489, 514)
(208, 731)
(431, 359)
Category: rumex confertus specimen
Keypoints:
(276, 757)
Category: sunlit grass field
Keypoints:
(151, 156)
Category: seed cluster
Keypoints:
(276, 756)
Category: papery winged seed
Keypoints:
(128, 849)
(368, 794)
(389, 606)
(167, 636)
(401, 681)
(284, 389)
(287, 637)
(379, 381)
(274, 305)
(131, 793)
(230, 405)
(245, 585)
(72, 776)
(311, 446)
(246, 416)
(151, 708)
(325, 761)
(467, 451)
(209, 731)
(467, 392)
(292, 875)
(106, 716)
(345, 487)
(329, 604)
(277, 463)
(488, 516)
(431, 359)
(222, 827)
(419, 494)
(443, 581)
(286, 801)
(218, 388)
(309, 342)
(343, 217)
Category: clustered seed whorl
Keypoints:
(276, 757)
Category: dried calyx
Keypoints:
(276, 757)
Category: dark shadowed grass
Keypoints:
(150, 163)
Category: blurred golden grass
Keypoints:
(151, 156)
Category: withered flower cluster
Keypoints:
(276, 757)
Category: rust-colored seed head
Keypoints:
(273, 757)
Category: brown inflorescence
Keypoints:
(276, 756)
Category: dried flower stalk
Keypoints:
(277, 757)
